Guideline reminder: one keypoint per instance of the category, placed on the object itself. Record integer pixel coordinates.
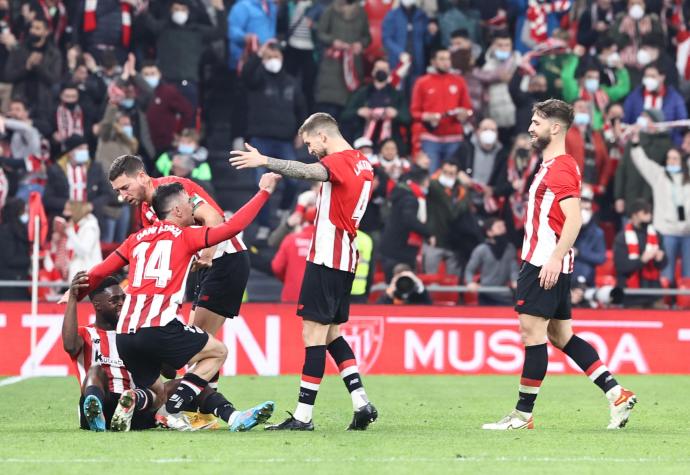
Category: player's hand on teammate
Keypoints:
(548, 275)
(80, 281)
(269, 182)
(251, 158)
(202, 262)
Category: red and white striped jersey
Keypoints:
(76, 178)
(159, 258)
(100, 349)
(341, 204)
(199, 195)
(555, 181)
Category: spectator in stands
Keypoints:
(343, 29)
(406, 228)
(251, 23)
(655, 94)
(578, 287)
(652, 51)
(638, 254)
(188, 143)
(183, 165)
(595, 22)
(463, 57)
(482, 160)
(377, 110)
(389, 160)
(495, 261)
(71, 117)
(631, 26)
(84, 73)
(588, 148)
(404, 288)
(613, 132)
(34, 67)
(8, 41)
(440, 104)
(670, 184)
(500, 63)
(590, 246)
(460, 14)
(524, 99)
(15, 251)
(75, 177)
(290, 261)
(447, 199)
(164, 108)
(405, 29)
(535, 21)
(610, 63)
(83, 237)
(590, 88)
(522, 165)
(628, 183)
(180, 35)
(104, 25)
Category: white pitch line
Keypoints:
(13, 380)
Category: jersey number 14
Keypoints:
(157, 266)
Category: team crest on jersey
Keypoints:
(453, 89)
(365, 336)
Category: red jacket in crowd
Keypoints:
(290, 262)
(167, 104)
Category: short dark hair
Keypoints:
(319, 121)
(385, 141)
(555, 109)
(435, 52)
(654, 65)
(604, 42)
(417, 175)
(655, 40)
(129, 165)
(163, 196)
(489, 223)
(502, 34)
(460, 33)
(107, 282)
(69, 85)
(41, 18)
(450, 161)
(640, 204)
(149, 63)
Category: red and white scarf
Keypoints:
(649, 271)
(682, 54)
(126, 11)
(415, 239)
(600, 98)
(69, 122)
(56, 27)
(378, 117)
(76, 177)
(349, 69)
(537, 14)
(654, 99)
(518, 198)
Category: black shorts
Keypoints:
(531, 299)
(325, 295)
(220, 289)
(140, 420)
(145, 351)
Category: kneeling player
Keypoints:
(102, 374)
(149, 330)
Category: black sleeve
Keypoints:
(408, 215)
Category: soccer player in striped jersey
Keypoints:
(102, 375)
(552, 223)
(150, 332)
(324, 301)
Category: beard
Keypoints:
(319, 154)
(540, 143)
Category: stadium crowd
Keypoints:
(436, 93)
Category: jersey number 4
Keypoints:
(362, 202)
(157, 266)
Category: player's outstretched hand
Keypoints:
(269, 181)
(549, 273)
(251, 158)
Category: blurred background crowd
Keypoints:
(436, 93)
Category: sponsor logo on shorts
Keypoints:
(521, 302)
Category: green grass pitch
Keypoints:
(427, 425)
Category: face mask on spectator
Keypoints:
(581, 118)
(586, 216)
(502, 55)
(24, 218)
(128, 130)
(488, 137)
(152, 81)
(127, 102)
(70, 105)
(273, 65)
(180, 17)
(33, 39)
(643, 122)
(408, 3)
(651, 84)
(81, 156)
(613, 59)
(446, 181)
(643, 57)
(674, 169)
(636, 12)
(591, 84)
(185, 149)
(381, 75)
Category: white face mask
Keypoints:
(651, 84)
(643, 57)
(643, 122)
(24, 218)
(613, 59)
(446, 181)
(81, 156)
(408, 3)
(488, 137)
(586, 216)
(180, 17)
(152, 81)
(273, 65)
(591, 84)
(636, 12)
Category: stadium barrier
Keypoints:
(266, 340)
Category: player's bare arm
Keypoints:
(548, 276)
(71, 341)
(252, 158)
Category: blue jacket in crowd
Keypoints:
(591, 251)
(673, 108)
(394, 37)
(245, 17)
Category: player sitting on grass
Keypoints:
(149, 330)
(102, 374)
